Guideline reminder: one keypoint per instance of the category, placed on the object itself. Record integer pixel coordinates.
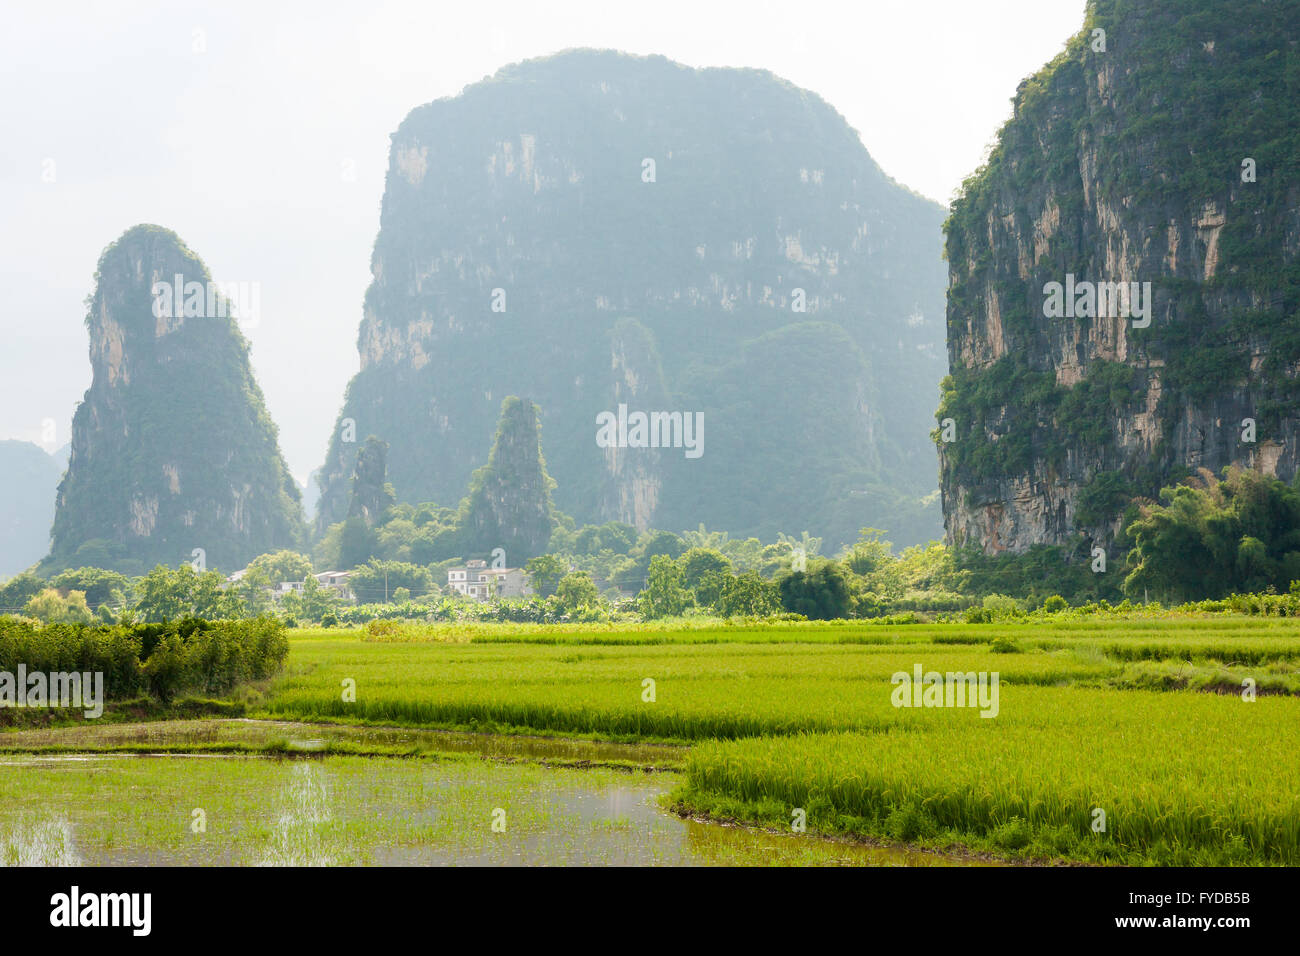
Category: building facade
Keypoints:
(478, 581)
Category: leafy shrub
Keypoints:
(1211, 538)
(909, 823)
(1015, 834)
(821, 592)
(1002, 607)
(163, 660)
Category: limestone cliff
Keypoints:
(594, 229)
(1157, 153)
(172, 447)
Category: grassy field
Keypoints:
(701, 691)
(1181, 778)
(719, 687)
(1138, 718)
(1107, 715)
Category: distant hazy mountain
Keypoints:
(31, 478)
(593, 230)
(172, 448)
(310, 493)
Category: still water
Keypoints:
(466, 799)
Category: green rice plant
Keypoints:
(1180, 778)
(701, 691)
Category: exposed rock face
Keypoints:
(1128, 164)
(594, 229)
(635, 476)
(172, 447)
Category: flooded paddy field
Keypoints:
(529, 753)
(297, 737)
(441, 808)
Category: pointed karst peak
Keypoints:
(174, 457)
(371, 493)
(143, 259)
(509, 502)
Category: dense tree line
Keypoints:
(1205, 538)
(159, 660)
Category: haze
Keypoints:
(260, 134)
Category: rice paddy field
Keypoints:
(1141, 741)
(288, 794)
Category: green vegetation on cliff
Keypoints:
(509, 501)
(768, 275)
(172, 448)
(1163, 146)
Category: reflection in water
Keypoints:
(622, 825)
(299, 837)
(340, 810)
(46, 842)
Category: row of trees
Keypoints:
(613, 552)
(1208, 538)
(703, 578)
(1205, 538)
(866, 580)
(696, 572)
(86, 595)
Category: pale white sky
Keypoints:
(232, 124)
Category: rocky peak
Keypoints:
(509, 503)
(592, 225)
(371, 493)
(173, 456)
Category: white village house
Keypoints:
(476, 580)
(335, 581)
